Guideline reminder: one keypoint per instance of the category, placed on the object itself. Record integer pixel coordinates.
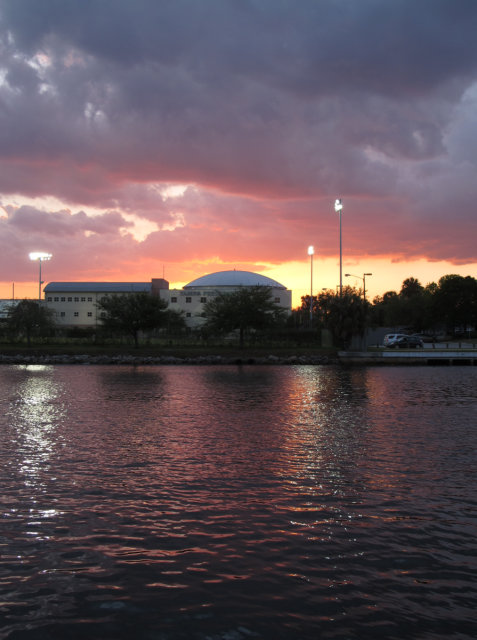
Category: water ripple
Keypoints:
(238, 502)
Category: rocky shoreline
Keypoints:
(162, 360)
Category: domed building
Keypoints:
(76, 303)
(233, 279)
(192, 298)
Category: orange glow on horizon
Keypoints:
(387, 276)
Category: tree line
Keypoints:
(449, 306)
(245, 310)
(128, 314)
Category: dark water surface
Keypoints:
(232, 503)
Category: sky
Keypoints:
(176, 138)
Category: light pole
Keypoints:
(361, 278)
(338, 209)
(311, 251)
(40, 256)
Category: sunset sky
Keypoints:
(151, 138)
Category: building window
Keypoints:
(76, 299)
(90, 314)
(62, 314)
(49, 299)
(63, 299)
(203, 300)
(57, 299)
(188, 299)
(70, 299)
(83, 299)
(174, 299)
(76, 314)
(90, 299)
(277, 299)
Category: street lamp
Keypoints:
(338, 209)
(40, 256)
(311, 251)
(361, 278)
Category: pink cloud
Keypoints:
(256, 108)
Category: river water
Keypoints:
(234, 503)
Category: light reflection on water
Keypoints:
(235, 502)
(32, 413)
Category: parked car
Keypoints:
(408, 342)
(391, 338)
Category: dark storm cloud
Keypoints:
(325, 45)
(269, 107)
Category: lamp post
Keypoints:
(338, 209)
(40, 256)
(361, 278)
(311, 251)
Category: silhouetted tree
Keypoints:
(29, 318)
(411, 287)
(385, 311)
(455, 301)
(411, 307)
(174, 323)
(305, 310)
(414, 305)
(241, 310)
(344, 315)
(131, 313)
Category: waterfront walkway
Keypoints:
(433, 354)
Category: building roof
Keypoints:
(234, 279)
(97, 287)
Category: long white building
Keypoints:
(75, 303)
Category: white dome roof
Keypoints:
(234, 279)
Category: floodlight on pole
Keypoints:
(311, 251)
(338, 209)
(40, 256)
(347, 275)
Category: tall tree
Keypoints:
(304, 310)
(411, 287)
(344, 315)
(244, 309)
(456, 301)
(131, 313)
(409, 308)
(385, 311)
(29, 318)
(414, 303)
